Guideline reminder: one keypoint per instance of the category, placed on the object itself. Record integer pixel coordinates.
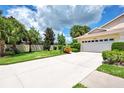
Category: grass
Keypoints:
(112, 69)
(28, 56)
(79, 85)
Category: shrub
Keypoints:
(114, 56)
(60, 47)
(67, 50)
(54, 48)
(75, 50)
(75, 45)
(9, 51)
(118, 46)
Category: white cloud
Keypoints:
(57, 17)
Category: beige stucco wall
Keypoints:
(100, 46)
(115, 36)
(25, 48)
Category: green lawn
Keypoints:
(79, 85)
(28, 56)
(112, 69)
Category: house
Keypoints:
(101, 38)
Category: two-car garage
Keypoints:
(96, 45)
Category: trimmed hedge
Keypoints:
(112, 57)
(118, 46)
(75, 50)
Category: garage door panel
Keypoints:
(96, 46)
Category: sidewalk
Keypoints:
(102, 80)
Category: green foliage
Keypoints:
(60, 47)
(54, 47)
(33, 36)
(75, 50)
(15, 31)
(112, 69)
(75, 46)
(118, 46)
(79, 85)
(78, 30)
(49, 38)
(112, 57)
(61, 39)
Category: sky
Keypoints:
(62, 17)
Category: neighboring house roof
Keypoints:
(108, 28)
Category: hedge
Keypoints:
(75, 50)
(118, 46)
(114, 56)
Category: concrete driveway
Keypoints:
(61, 71)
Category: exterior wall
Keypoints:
(36, 47)
(100, 46)
(121, 37)
(115, 36)
(25, 48)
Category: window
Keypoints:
(105, 39)
(85, 41)
(88, 41)
(92, 40)
(111, 39)
(82, 41)
(101, 40)
(96, 40)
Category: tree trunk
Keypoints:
(30, 50)
(2, 48)
(15, 49)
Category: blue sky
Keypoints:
(62, 18)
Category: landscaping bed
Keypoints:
(28, 56)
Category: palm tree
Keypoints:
(3, 35)
(78, 30)
(16, 32)
(33, 37)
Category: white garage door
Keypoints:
(96, 46)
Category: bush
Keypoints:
(9, 51)
(54, 48)
(114, 56)
(75, 50)
(118, 46)
(67, 50)
(75, 45)
(60, 47)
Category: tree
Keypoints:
(49, 38)
(33, 37)
(1, 12)
(78, 30)
(3, 35)
(61, 39)
(16, 32)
